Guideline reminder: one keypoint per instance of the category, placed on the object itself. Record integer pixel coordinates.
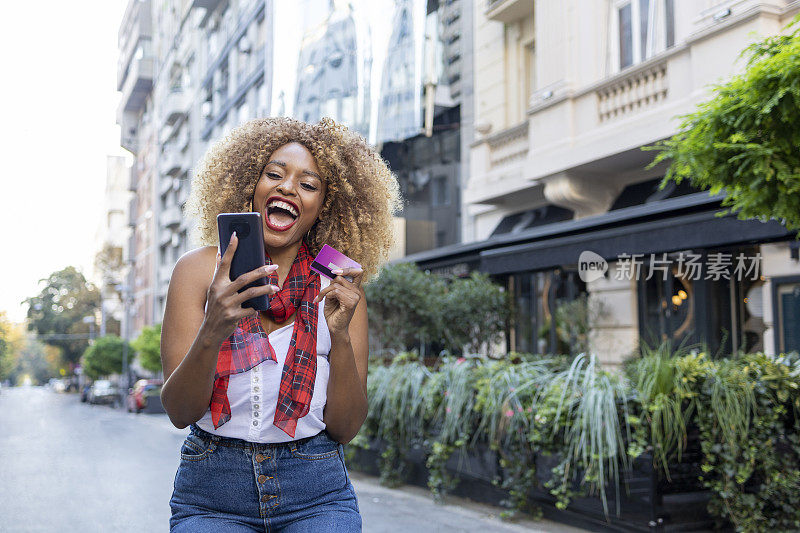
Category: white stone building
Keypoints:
(566, 94)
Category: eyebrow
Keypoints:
(283, 164)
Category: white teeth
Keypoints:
(283, 205)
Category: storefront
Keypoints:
(676, 271)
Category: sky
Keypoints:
(59, 100)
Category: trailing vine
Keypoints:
(586, 426)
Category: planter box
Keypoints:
(651, 503)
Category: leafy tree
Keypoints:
(59, 310)
(476, 311)
(34, 360)
(7, 348)
(404, 307)
(110, 264)
(744, 141)
(148, 346)
(103, 357)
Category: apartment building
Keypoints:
(111, 240)
(566, 94)
(210, 61)
(135, 116)
(203, 67)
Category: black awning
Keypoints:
(680, 223)
(696, 230)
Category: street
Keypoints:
(71, 466)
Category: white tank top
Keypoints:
(253, 394)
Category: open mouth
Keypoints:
(280, 215)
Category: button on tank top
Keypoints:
(253, 394)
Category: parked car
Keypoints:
(104, 391)
(140, 392)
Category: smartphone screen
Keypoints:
(249, 253)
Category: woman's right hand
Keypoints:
(224, 301)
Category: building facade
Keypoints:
(111, 241)
(204, 67)
(566, 95)
(135, 116)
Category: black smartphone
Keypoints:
(249, 253)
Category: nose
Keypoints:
(287, 186)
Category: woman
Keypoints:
(272, 396)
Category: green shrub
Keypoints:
(410, 308)
(103, 357)
(593, 424)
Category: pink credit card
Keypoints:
(330, 258)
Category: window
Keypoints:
(644, 28)
(441, 192)
(786, 313)
(686, 304)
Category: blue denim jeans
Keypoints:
(226, 484)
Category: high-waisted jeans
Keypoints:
(226, 484)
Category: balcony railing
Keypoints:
(171, 216)
(138, 83)
(635, 92)
(176, 105)
(508, 146)
(173, 162)
(205, 4)
(508, 11)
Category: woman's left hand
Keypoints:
(341, 298)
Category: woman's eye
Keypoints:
(308, 187)
(273, 175)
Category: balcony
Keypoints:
(137, 84)
(171, 216)
(498, 162)
(634, 92)
(508, 11)
(208, 5)
(166, 184)
(135, 31)
(176, 105)
(508, 146)
(172, 162)
(165, 238)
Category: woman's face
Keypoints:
(289, 195)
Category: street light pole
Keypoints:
(125, 292)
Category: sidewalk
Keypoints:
(410, 508)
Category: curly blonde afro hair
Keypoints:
(362, 193)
